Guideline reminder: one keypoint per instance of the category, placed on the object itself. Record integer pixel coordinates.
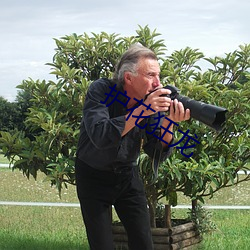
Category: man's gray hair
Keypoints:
(129, 61)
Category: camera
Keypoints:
(211, 115)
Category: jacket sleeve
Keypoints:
(103, 131)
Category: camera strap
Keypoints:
(157, 156)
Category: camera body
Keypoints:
(174, 92)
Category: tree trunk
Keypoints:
(168, 216)
(194, 205)
(152, 206)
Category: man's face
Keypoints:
(147, 78)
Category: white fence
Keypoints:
(65, 204)
(2, 165)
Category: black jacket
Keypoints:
(101, 145)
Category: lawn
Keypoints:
(54, 228)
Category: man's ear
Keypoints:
(128, 78)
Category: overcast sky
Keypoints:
(27, 29)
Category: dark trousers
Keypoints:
(98, 191)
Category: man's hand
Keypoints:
(177, 113)
(158, 103)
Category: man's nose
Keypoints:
(157, 82)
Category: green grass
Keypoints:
(233, 231)
(54, 228)
(35, 228)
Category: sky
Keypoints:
(28, 29)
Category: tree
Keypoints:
(23, 103)
(56, 109)
(13, 114)
(10, 115)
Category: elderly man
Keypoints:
(117, 118)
